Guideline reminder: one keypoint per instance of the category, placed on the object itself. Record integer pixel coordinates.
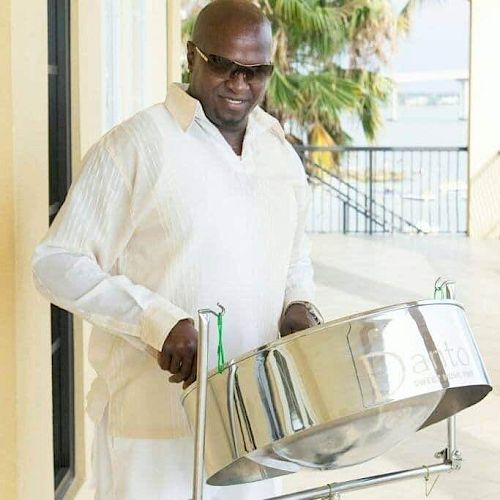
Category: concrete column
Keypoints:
(464, 99)
(484, 140)
(8, 410)
(174, 49)
(26, 470)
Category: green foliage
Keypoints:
(326, 55)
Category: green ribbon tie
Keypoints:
(220, 346)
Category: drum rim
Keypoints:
(309, 331)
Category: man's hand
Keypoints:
(178, 354)
(297, 317)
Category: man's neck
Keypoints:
(234, 139)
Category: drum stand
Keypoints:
(451, 460)
(451, 457)
(201, 400)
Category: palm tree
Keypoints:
(327, 54)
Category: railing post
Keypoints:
(370, 189)
(345, 217)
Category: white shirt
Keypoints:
(166, 219)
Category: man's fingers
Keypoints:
(288, 327)
(185, 370)
(293, 325)
(285, 327)
(184, 375)
(192, 376)
(187, 363)
(189, 381)
(175, 365)
(175, 378)
(299, 326)
(164, 360)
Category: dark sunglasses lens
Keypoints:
(223, 66)
(220, 64)
(264, 70)
(254, 72)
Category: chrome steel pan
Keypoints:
(340, 393)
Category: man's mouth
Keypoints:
(234, 102)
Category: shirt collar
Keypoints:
(259, 121)
(185, 109)
(181, 105)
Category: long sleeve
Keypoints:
(73, 265)
(300, 285)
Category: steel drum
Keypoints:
(340, 393)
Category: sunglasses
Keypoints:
(226, 68)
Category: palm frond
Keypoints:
(187, 27)
(405, 16)
(309, 23)
(283, 98)
(376, 90)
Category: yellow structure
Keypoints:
(26, 471)
(484, 113)
(25, 353)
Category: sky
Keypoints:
(438, 39)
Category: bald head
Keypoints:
(229, 18)
(229, 33)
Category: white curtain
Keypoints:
(134, 34)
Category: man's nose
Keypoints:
(237, 81)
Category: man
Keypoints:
(192, 202)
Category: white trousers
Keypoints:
(157, 469)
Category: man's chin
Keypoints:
(232, 120)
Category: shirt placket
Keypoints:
(243, 163)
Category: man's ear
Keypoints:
(190, 55)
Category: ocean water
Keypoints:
(425, 126)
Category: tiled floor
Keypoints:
(357, 273)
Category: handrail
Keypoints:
(340, 149)
(345, 199)
(369, 215)
(408, 189)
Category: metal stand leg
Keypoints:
(453, 454)
(201, 400)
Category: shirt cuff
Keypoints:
(297, 295)
(158, 320)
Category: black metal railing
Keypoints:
(381, 189)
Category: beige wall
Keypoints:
(8, 477)
(484, 135)
(174, 49)
(25, 346)
(26, 421)
(86, 109)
